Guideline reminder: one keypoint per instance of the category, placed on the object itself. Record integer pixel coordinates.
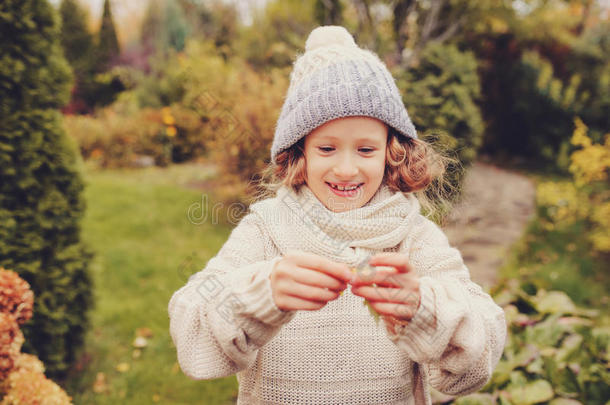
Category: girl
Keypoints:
(274, 307)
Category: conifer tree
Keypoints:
(151, 26)
(77, 43)
(76, 39)
(108, 45)
(176, 28)
(164, 27)
(41, 202)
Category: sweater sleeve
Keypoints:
(226, 312)
(458, 332)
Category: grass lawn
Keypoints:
(146, 248)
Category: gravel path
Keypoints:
(495, 208)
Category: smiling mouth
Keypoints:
(345, 187)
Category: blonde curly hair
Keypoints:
(412, 166)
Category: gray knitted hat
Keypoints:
(335, 78)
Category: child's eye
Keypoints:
(326, 148)
(367, 150)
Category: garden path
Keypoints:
(493, 213)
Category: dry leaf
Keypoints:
(100, 386)
(140, 342)
(144, 332)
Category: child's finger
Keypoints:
(391, 295)
(404, 312)
(308, 292)
(396, 260)
(318, 279)
(315, 262)
(290, 303)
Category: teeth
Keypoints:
(341, 188)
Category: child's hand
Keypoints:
(307, 281)
(394, 294)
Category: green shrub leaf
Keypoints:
(553, 302)
(532, 393)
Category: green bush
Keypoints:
(165, 85)
(556, 351)
(247, 119)
(535, 120)
(239, 107)
(277, 34)
(115, 140)
(441, 95)
(590, 59)
(531, 104)
(124, 136)
(41, 202)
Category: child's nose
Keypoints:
(345, 168)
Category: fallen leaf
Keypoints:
(122, 367)
(99, 385)
(144, 332)
(140, 342)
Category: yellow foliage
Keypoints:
(171, 131)
(601, 234)
(564, 203)
(498, 25)
(579, 137)
(587, 197)
(591, 163)
(168, 118)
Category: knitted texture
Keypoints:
(347, 237)
(224, 320)
(335, 78)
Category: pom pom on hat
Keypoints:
(329, 35)
(335, 78)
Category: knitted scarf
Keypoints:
(298, 220)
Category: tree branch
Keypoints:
(450, 31)
(401, 11)
(431, 20)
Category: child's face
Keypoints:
(346, 152)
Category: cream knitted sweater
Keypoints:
(224, 320)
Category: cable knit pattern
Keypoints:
(224, 320)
